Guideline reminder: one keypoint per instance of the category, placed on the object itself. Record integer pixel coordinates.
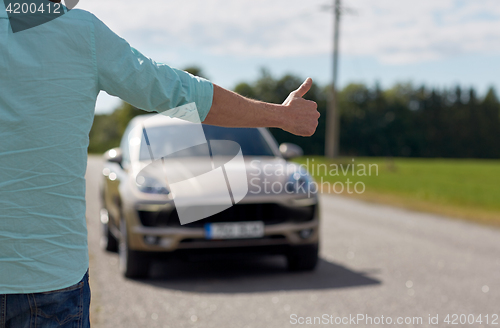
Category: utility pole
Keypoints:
(332, 115)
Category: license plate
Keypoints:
(234, 230)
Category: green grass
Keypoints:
(463, 188)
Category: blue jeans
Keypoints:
(68, 308)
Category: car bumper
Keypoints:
(170, 239)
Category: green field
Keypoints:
(467, 189)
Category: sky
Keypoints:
(437, 43)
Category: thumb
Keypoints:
(304, 88)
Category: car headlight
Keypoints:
(150, 185)
(299, 182)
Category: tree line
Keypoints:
(403, 121)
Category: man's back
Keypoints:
(48, 85)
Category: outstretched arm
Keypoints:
(126, 73)
(296, 115)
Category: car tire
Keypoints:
(302, 258)
(108, 241)
(133, 264)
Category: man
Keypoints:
(50, 76)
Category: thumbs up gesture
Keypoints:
(300, 115)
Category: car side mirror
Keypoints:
(290, 150)
(114, 156)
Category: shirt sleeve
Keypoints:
(126, 73)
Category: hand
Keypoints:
(300, 116)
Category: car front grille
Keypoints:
(269, 213)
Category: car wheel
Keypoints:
(302, 258)
(133, 264)
(108, 241)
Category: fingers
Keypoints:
(312, 104)
(304, 88)
(303, 117)
(305, 129)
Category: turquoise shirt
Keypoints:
(50, 77)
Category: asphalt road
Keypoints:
(375, 261)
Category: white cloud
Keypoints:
(394, 32)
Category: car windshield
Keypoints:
(251, 141)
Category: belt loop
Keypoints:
(3, 310)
